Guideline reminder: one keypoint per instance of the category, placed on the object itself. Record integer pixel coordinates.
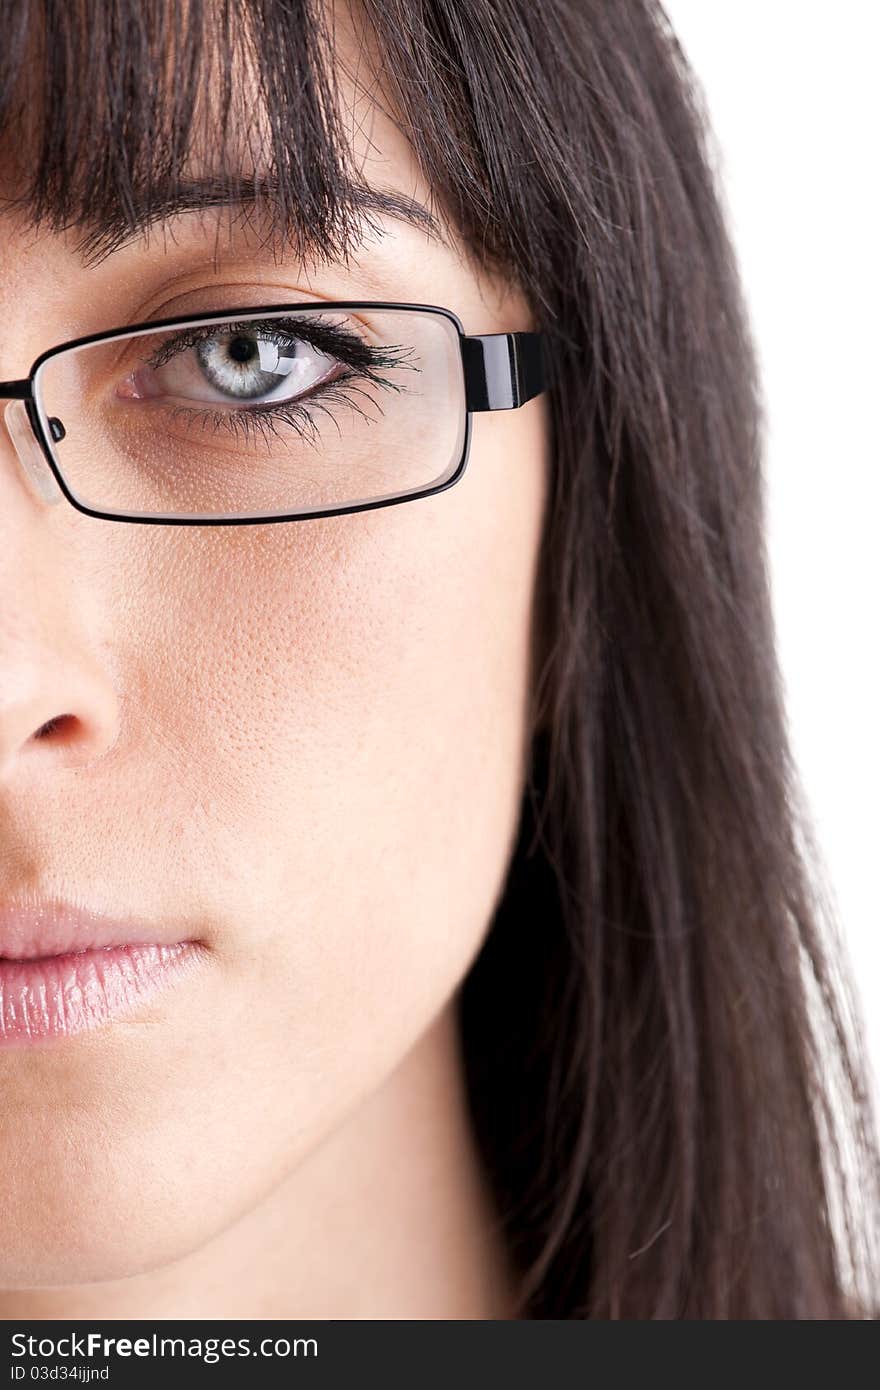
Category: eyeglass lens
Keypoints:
(275, 413)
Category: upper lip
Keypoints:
(55, 927)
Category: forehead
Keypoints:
(286, 131)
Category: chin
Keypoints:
(73, 1243)
(75, 1213)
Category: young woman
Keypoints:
(406, 910)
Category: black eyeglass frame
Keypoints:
(501, 372)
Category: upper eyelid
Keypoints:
(335, 335)
(217, 319)
(236, 311)
(184, 340)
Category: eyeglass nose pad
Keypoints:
(29, 452)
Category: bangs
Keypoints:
(114, 113)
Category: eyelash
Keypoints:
(363, 361)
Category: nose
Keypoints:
(56, 700)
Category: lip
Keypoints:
(66, 969)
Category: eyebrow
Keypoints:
(108, 233)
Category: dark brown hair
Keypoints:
(663, 1059)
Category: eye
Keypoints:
(256, 363)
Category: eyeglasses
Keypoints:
(276, 413)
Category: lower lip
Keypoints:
(60, 996)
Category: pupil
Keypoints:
(241, 349)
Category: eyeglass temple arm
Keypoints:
(16, 391)
(502, 370)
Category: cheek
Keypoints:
(351, 719)
(346, 699)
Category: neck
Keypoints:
(389, 1217)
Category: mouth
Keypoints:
(65, 970)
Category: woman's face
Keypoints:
(301, 744)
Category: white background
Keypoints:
(791, 87)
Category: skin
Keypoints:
(304, 744)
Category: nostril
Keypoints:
(51, 725)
